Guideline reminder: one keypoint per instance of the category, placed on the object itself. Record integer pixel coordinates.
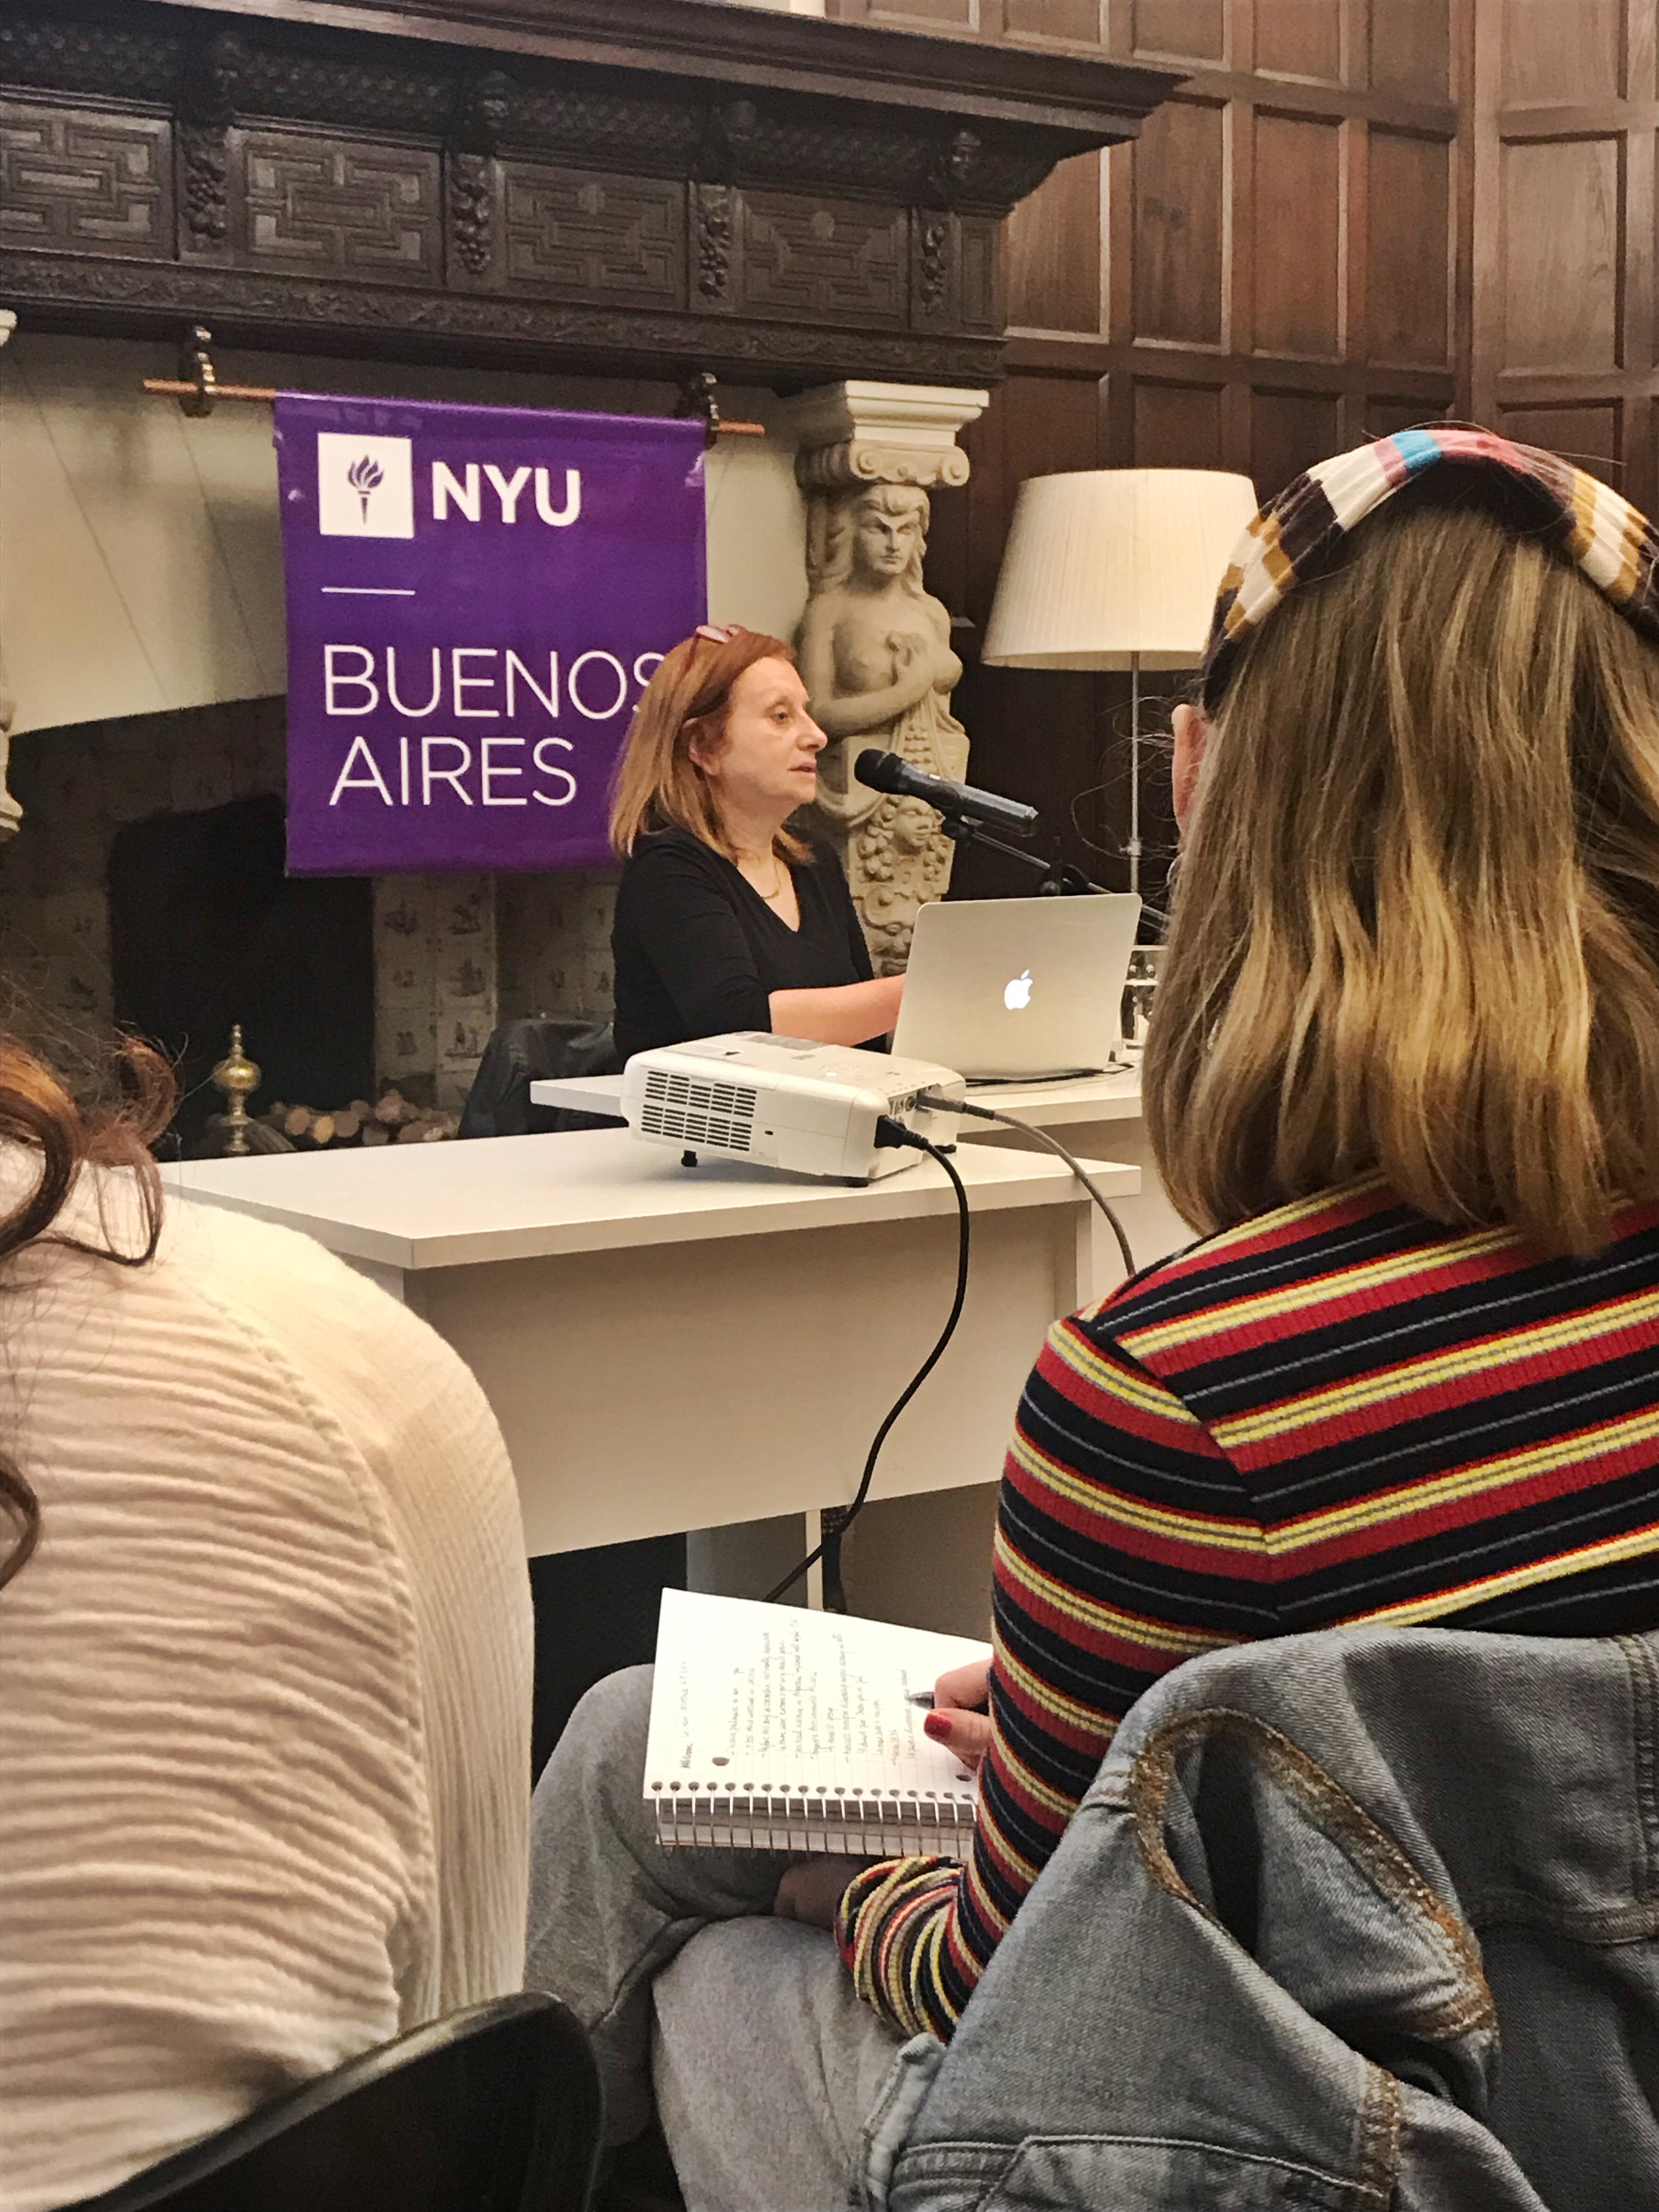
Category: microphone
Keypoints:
(888, 772)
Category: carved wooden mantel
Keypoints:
(618, 184)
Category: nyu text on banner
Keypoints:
(476, 596)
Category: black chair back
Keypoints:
(521, 1052)
(495, 2109)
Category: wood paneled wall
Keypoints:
(1032, 22)
(1566, 114)
(1354, 215)
(1271, 268)
(1278, 267)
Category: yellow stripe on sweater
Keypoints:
(1142, 1393)
(1043, 1793)
(1262, 1226)
(1215, 1531)
(1223, 1241)
(927, 1967)
(1306, 1298)
(1412, 1611)
(1054, 1597)
(1406, 1499)
(1053, 1701)
(1486, 1355)
(1012, 1862)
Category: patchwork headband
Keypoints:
(1302, 533)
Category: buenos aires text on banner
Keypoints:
(476, 596)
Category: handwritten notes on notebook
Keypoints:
(774, 1727)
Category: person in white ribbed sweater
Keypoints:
(264, 1660)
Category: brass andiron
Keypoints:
(236, 1079)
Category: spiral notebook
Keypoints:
(776, 1729)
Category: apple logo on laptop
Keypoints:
(1018, 992)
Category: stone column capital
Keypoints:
(861, 432)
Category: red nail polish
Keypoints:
(937, 1726)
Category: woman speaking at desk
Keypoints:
(726, 918)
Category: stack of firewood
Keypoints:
(393, 1119)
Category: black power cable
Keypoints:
(889, 1132)
(835, 1520)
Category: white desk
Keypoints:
(1086, 1098)
(1098, 1116)
(1067, 1104)
(580, 1094)
(669, 1348)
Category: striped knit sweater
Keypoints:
(1339, 1413)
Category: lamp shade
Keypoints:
(1106, 565)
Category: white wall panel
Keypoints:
(140, 563)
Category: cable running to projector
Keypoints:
(1041, 1137)
(889, 1132)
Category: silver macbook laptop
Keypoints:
(1022, 987)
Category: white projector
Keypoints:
(785, 1103)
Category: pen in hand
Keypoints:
(924, 1698)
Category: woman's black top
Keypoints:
(699, 951)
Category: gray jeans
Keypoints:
(763, 2062)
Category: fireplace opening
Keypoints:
(206, 930)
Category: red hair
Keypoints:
(37, 1113)
(658, 786)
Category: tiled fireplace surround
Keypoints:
(453, 953)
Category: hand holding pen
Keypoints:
(960, 1718)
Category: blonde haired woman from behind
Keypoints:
(264, 1658)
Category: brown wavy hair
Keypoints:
(1415, 924)
(131, 1102)
(658, 785)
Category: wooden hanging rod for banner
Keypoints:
(176, 388)
(173, 387)
(197, 386)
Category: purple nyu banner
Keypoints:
(476, 598)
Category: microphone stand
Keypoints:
(1060, 878)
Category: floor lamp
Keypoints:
(1116, 568)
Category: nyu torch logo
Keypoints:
(365, 477)
(366, 488)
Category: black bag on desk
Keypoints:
(525, 1052)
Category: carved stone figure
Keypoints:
(875, 653)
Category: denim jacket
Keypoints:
(1362, 1921)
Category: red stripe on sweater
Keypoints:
(1320, 1304)
(1474, 1387)
(1406, 1524)
(1063, 1363)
